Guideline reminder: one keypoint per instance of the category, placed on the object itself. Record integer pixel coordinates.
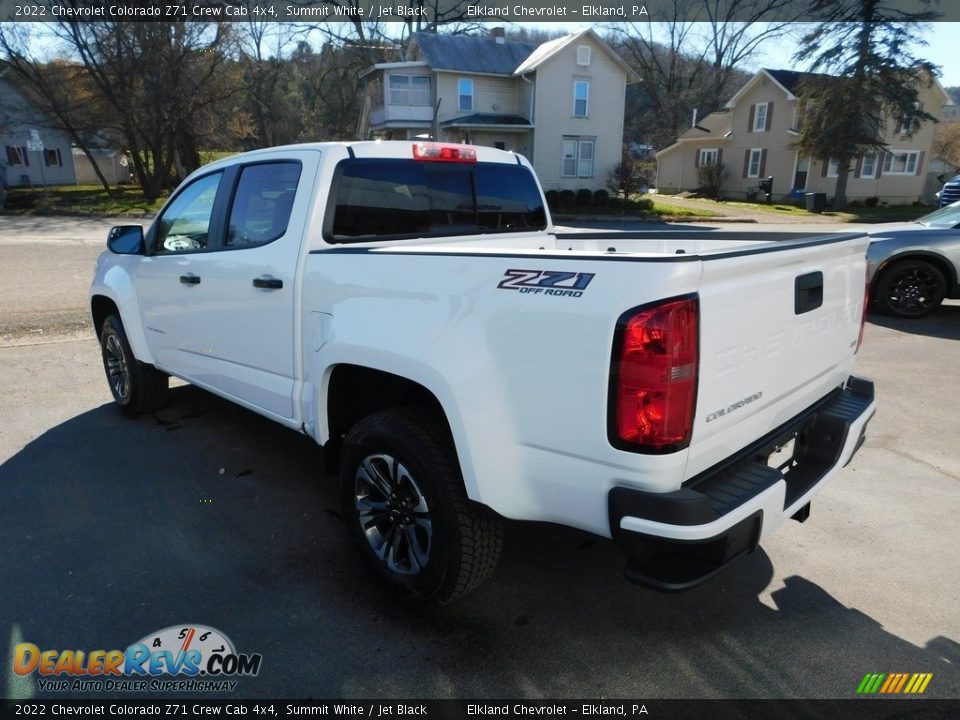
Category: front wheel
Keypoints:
(911, 289)
(136, 388)
(405, 505)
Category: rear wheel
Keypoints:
(911, 289)
(136, 388)
(405, 505)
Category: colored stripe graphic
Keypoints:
(894, 683)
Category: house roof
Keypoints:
(789, 81)
(716, 124)
(471, 54)
(488, 119)
(548, 49)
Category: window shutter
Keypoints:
(859, 167)
(753, 111)
(719, 157)
(696, 158)
(746, 161)
(769, 116)
(26, 157)
(823, 168)
(920, 161)
(881, 156)
(763, 163)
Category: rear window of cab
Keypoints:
(394, 199)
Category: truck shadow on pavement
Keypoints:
(206, 513)
(944, 322)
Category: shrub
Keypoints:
(600, 197)
(643, 206)
(631, 176)
(872, 201)
(553, 199)
(711, 177)
(567, 198)
(584, 197)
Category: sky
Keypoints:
(941, 50)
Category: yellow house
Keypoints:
(754, 136)
(560, 103)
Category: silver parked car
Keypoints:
(914, 266)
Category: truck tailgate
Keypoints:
(778, 330)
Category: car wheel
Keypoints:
(910, 289)
(136, 388)
(405, 505)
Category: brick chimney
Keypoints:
(498, 34)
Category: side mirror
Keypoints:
(126, 240)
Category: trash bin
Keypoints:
(816, 202)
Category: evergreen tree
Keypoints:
(867, 80)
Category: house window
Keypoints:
(578, 156)
(760, 118)
(583, 55)
(17, 156)
(900, 162)
(832, 166)
(869, 167)
(581, 98)
(465, 93)
(52, 158)
(753, 167)
(409, 90)
(708, 156)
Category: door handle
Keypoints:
(268, 283)
(190, 279)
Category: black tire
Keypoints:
(910, 289)
(136, 387)
(442, 545)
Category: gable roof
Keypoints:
(790, 80)
(461, 53)
(549, 49)
(714, 125)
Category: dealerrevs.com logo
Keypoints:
(180, 658)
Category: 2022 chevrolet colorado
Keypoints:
(410, 306)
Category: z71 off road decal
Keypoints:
(546, 282)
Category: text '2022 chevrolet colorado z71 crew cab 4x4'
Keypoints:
(410, 307)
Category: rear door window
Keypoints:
(396, 199)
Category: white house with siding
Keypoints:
(19, 165)
(560, 104)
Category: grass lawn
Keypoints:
(637, 206)
(851, 214)
(126, 200)
(664, 208)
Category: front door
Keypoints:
(231, 324)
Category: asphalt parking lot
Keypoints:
(205, 513)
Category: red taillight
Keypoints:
(655, 377)
(866, 304)
(442, 152)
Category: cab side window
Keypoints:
(261, 206)
(185, 224)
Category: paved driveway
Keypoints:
(206, 513)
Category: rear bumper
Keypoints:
(676, 540)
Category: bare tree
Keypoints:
(693, 59)
(946, 142)
(160, 81)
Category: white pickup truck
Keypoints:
(411, 307)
